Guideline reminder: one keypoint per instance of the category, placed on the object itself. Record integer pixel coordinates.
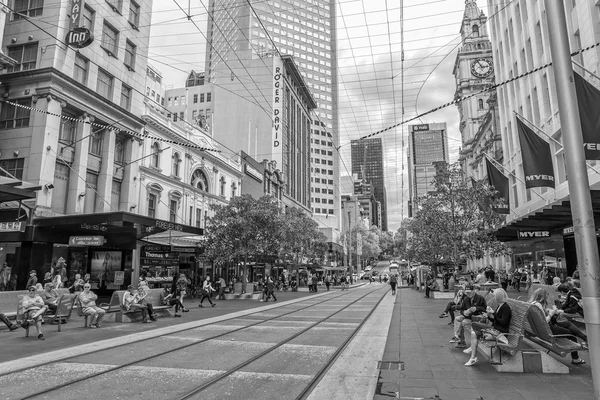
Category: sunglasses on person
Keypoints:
(87, 287)
(32, 290)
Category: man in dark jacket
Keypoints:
(472, 305)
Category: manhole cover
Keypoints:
(391, 365)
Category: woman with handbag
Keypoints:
(500, 319)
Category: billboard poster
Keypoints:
(104, 265)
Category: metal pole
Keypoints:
(579, 187)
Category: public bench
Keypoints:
(64, 308)
(115, 307)
(9, 301)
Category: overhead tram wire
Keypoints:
(96, 64)
(224, 61)
(455, 101)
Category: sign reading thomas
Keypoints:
(78, 36)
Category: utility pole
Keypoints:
(579, 186)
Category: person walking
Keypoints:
(222, 286)
(32, 281)
(327, 282)
(270, 290)
(314, 281)
(207, 290)
(393, 283)
(179, 287)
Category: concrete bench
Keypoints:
(116, 310)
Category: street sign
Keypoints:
(79, 37)
(86, 240)
(76, 12)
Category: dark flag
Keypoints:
(588, 99)
(537, 159)
(500, 182)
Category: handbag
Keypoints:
(492, 335)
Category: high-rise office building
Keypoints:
(240, 51)
(428, 144)
(367, 159)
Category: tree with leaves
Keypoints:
(301, 238)
(244, 229)
(456, 220)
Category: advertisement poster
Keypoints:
(104, 265)
(119, 278)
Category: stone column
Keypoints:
(78, 170)
(131, 174)
(105, 178)
(44, 148)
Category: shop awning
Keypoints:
(15, 189)
(172, 238)
(550, 218)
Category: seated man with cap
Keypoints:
(131, 302)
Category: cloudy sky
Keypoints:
(376, 89)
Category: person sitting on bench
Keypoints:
(141, 299)
(431, 285)
(9, 324)
(472, 305)
(50, 297)
(452, 306)
(130, 302)
(571, 306)
(33, 309)
(540, 299)
(87, 298)
(167, 299)
(500, 318)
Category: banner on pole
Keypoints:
(500, 182)
(588, 98)
(537, 159)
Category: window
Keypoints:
(152, 200)
(480, 104)
(201, 97)
(91, 188)
(117, 5)
(130, 50)
(208, 97)
(27, 8)
(199, 180)
(80, 70)
(181, 116)
(134, 14)
(126, 97)
(222, 190)
(233, 190)
(176, 162)
(88, 18)
(104, 86)
(25, 55)
(67, 129)
(198, 217)
(13, 116)
(173, 210)
(155, 159)
(61, 185)
(195, 100)
(13, 167)
(120, 152)
(191, 215)
(475, 31)
(96, 144)
(110, 39)
(115, 194)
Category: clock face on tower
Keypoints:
(482, 68)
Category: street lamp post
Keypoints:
(579, 187)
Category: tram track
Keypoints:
(190, 393)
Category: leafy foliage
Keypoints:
(455, 221)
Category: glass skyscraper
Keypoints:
(367, 154)
(239, 38)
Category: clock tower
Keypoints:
(474, 72)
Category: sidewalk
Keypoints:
(434, 367)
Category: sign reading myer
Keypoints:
(86, 240)
(532, 234)
(277, 110)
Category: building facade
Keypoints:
(367, 163)
(474, 73)
(70, 124)
(240, 52)
(428, 144)
(520, 42)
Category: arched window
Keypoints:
(155, 159)
(475, 30)
(199, 180)
(480, 104)
(176, 162)
(222, 191)
(154, 191)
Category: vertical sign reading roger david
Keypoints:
(277, 151)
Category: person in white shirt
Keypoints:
(88, 302)
(33, 308)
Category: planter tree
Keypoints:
(301, 238)
(244, 229)
(456, 220)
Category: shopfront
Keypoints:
(105, 246)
